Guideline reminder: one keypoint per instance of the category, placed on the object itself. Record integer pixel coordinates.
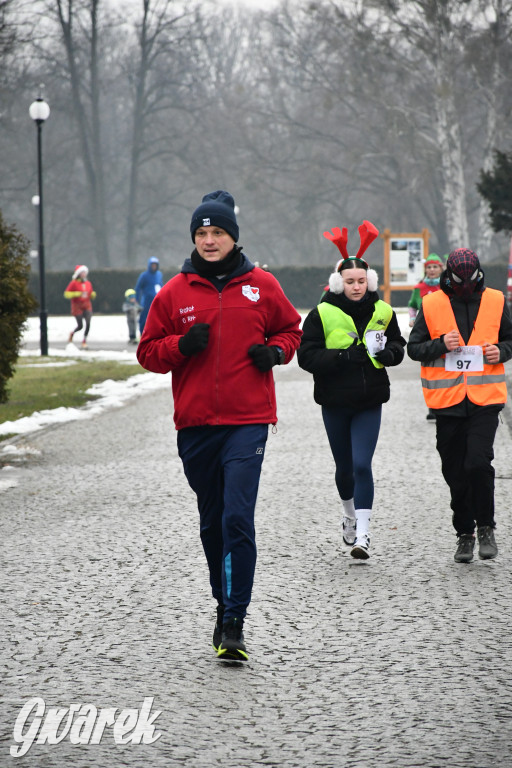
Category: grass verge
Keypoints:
(40, 385)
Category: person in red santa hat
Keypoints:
(80, 292)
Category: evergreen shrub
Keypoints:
(16, 301)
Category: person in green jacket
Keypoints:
(434, 265)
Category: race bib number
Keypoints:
(375, 341)
(465, 359)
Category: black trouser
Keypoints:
(465, 446)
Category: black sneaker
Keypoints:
(232, 646)
(217, 631)
(465, 546)
(487, 548)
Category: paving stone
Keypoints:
(403, 660)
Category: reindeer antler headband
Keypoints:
(367, 232)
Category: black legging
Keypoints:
(86, 315)
(353, 437)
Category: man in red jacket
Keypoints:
(220, 326)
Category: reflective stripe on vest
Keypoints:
(441, 388)
(340, 330)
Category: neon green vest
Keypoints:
(340, 330)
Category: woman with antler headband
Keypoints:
(347, 342)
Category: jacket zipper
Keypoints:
(217, 361)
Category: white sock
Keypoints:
(363, 517)
(349, 509)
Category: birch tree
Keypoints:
(490, 58)
(464, 44)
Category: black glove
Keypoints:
(385, 356)
(354, 354)
(195, 340)
(264, 357)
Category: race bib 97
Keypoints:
(464, 359)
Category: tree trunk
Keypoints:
(89, 132)
(498, 34)
(137, 139)
(450, 143)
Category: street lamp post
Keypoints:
(39, 112)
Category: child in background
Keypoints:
(434, 265)
(131, 309)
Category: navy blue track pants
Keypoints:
(223, 467)
(353, 437)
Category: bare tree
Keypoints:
(8, 32)
(81, 47)
(318, 113)
(446, 33)
(161, 36)
(489, 57)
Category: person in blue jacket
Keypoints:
(148, 285)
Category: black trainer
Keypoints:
(465, 547)
(487, 547)
(232, 647)
(217, 631)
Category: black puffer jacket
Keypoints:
(338, 382)
(422, 348)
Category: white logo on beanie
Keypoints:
(253, 294)
(206, 222)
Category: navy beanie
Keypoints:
(217, 209)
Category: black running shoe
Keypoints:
(232, 647)
(465, 547)
(487, 547)
(217, 631)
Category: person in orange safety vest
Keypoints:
(462, 336)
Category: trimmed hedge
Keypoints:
(302, 285)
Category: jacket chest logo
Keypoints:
(251, 293)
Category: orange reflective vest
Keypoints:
(441, 388)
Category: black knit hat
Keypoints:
(216, 209)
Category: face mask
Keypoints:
(464, 287)
(464, 273)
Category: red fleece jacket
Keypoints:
(82, 302)
(221, 384)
